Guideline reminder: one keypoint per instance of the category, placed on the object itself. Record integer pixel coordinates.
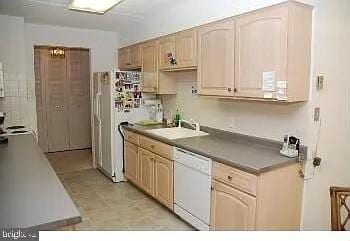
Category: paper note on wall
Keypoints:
(269, 78)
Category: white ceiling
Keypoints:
(56, 12)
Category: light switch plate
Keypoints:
(320, 81)
(317, 113)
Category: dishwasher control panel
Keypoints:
(192, 160)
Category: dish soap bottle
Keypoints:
(177, 117)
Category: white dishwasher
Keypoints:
(192, 183)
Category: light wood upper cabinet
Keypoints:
(216, 59)
(236, 56)
(135, 56)
(163, 181)
(149, 67)
(186, 49)
(181, 47)
(231, 209)
(124, 60)
(146, 178)
(166, 51)
(273, 44)
(129, 57)
(131, 162)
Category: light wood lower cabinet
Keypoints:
(163, 181)
(131, 162)
(232, 209)
(148, 170)
(275, 205)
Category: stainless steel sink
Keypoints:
(176, 133)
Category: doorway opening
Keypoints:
(62, 89)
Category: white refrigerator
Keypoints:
(116, 98)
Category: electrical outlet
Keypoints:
(194, 90)
(317, 161)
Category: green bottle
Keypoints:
(177, 117)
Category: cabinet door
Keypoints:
(163, 181)
(186, 49)
(131, 162)
(231, 209)
(166, 50)
(261, 44)
(149, 67)
(216, 59)
(146, 179)
(135, 56)
(124, 60)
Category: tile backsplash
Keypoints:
(14, 104)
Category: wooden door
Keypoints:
(261, 44)
(231, 209)
(78, 98)
(149, 67)
(163, 181)
(216, 59)
(131, 162)
(124, 60)
(186, 49)
(135, 56)
(146, 179)
(166, 51)
(57, 119)
(39, 56)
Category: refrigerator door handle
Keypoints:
(97, 107)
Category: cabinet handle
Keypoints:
(235, 89)
(229, 178)
(229, 89)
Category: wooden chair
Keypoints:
(340, 208)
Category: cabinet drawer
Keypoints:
(157, 147)
(131, 137)
(241, 180)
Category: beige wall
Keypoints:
(17, 40)
(12, 56)
(331, 51)
(103, 46)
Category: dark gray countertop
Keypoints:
(31, 195)
(251, 154)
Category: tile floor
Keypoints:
(68, 161)
(109, 206)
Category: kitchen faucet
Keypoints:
(195, 125)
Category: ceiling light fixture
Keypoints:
(93, 6)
